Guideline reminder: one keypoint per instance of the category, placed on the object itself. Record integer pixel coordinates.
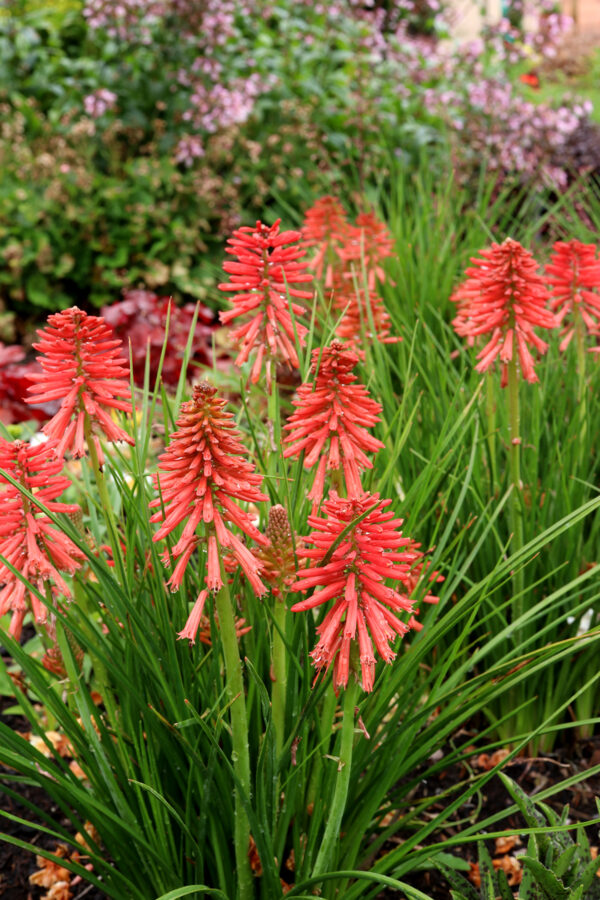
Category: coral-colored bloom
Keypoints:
(504, 297)
(364, 317)
(331, 419)
(327, 229)
(262, 277)
(367, 244)
(202, 471)
(28, 539)
(81, 368)
(574, 273)
(364, 610)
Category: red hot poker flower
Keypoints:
(331, 420)
(28, 538)
(364, 610)
(327, 229)
(574, 273)
(504, 297)
(368, 243)
(83, 369)
(263, 275)
(201, 473)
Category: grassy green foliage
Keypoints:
(157, 755)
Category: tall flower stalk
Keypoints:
(203, 475)
(573, 274)
(505, 298)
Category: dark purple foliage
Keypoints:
(140, 320)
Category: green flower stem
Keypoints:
(327, 714)
(113, 534)
(239, 728)
(516, 497)
(279, 653)
(490, 410)
(581, 378)
(336, 813)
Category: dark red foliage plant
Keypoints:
(140, 319)
(14, 381)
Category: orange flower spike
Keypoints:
(368, 243)
(327, 229)
(364, 610)
(331, 420)
(29, 540)
(504, 297)
(203, 471)
(262, 278)
(82, 368)
(573, 274)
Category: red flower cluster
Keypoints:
(202, 472)
(574, 274)
(504, 297)
(350, 257)
(326, 228)
(331, 419)
(28, 539)
(262, 278)
(81, 368)
(364, 610)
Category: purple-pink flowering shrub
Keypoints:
(495, 124)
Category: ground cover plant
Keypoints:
(269, 599)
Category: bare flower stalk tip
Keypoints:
(364, 611)
(203, 471)
(505, 298)
(331, 421)
(262, 278)
(29, 540)
(83, 368)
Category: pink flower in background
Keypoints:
(504, 297)
(29, 540)
(82, 368)
(364, 612)
(100, 102)
(574, 276)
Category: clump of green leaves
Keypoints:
(555, 867)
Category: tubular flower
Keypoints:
(331, 420)
(201, 473)
(81, 368)
(327, 229)
(262, 277)
(574, 273)
(367, 244)
(364, 610)
(28, 539)
(504, 297)
(364, 317)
